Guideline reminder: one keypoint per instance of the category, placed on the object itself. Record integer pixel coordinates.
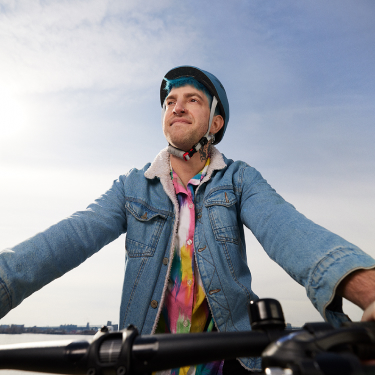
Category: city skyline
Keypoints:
(88, 329)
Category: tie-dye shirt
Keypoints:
(185, 308)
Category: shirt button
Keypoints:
(165, 261)
(154, 304)
(190, 282)
(189, 242)
(186, 323)
(191, 205)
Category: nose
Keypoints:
(178, 108)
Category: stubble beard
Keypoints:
(183, 141)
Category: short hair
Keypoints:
(185, 81)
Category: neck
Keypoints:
(188, 169)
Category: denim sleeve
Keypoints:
(313, 256)
(30, 265)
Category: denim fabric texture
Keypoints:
(143, 204)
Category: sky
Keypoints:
(79, 106)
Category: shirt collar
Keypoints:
(179, 186)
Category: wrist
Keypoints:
(358, 287)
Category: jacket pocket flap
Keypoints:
(142, 212)
(222, 198)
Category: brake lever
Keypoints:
(320, 349)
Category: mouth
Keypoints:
(180, 120)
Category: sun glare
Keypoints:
(12, 115)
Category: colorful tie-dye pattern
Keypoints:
(185, 308)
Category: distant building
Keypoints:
(115, 327)
(289, 326)
(16, 328)
(112, 327)
(69, 328)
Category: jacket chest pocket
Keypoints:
(222, 211)
(144, 227)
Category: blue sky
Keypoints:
(79, 94)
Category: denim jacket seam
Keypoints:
(233, 273)
(240, 180)
(7, 292)
(135, 285)
(221, 187)
(229, 310)
(152, 208)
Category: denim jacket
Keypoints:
(144, 205)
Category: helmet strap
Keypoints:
(187, 155)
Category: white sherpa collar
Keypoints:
(160, 167)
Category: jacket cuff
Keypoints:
(328, 274)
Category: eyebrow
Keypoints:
(188, 95)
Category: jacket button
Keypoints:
(165, 261)
(154, 304)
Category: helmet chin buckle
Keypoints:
(187, 155)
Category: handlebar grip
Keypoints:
(62, 358)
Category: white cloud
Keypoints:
(51, 46)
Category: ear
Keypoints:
(217, 124)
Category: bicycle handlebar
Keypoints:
(316, 349)
(56, 357)
(147, 353)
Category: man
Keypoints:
(186, 267)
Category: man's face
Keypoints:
(186, 117)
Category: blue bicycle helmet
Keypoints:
(212, 84)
